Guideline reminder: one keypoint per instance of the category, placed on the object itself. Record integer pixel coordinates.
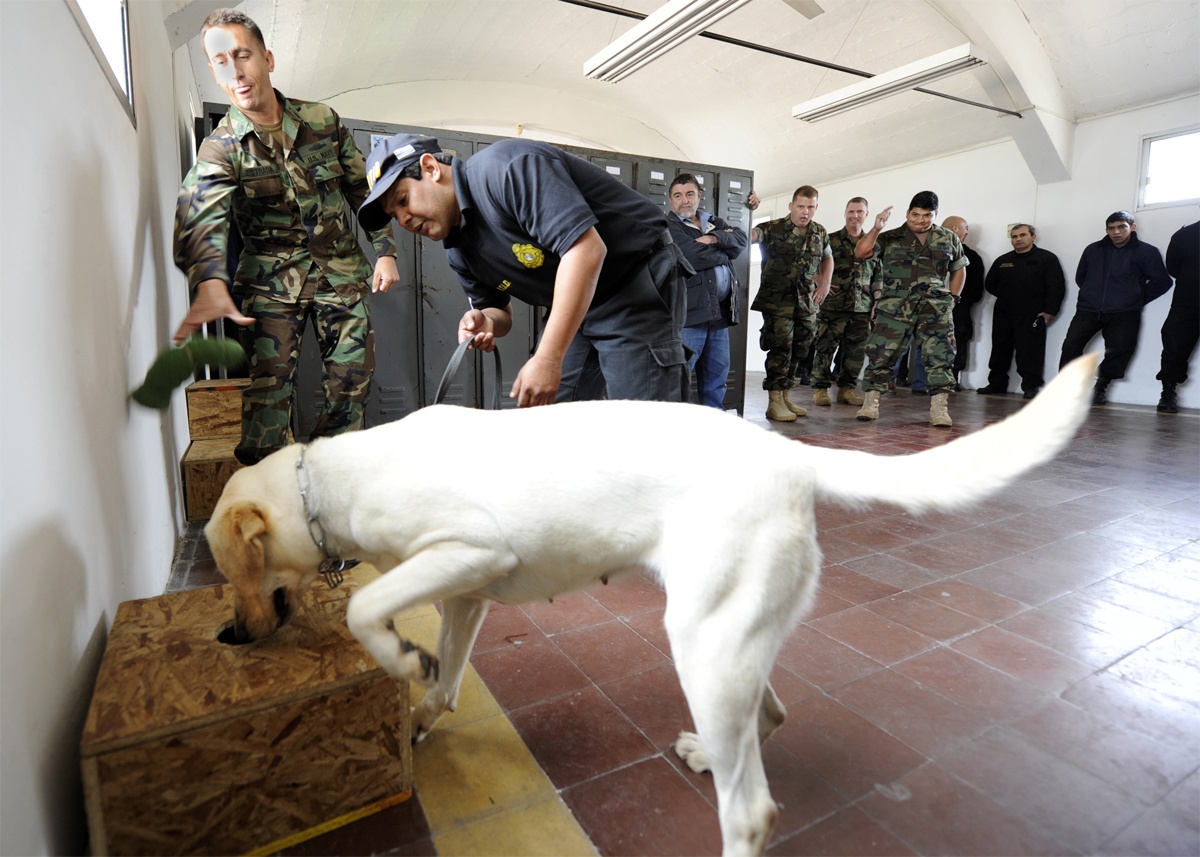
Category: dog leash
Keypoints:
(452, 370)
(331, 567)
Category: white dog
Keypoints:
(471, 506)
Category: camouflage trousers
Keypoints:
(347, 345)
(847, 331)
(786, 337)
(930, 321)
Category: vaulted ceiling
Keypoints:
(515, 67)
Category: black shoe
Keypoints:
(1167, 403)
(1029, 394)
(1100, 393)
(804, 380)
(917, 392)
(989, 390)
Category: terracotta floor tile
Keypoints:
(823, 661)
(567, 612)
(846, 750)
(972, 600)
(802, 796)
(972, 684)
(949, 555)
(630, 595)
(869, 633)
(935, 812)
(506, 626)
(1121, 622)
(848, 833)
(921, 718)
(580, 735)
(853, 586)
(524, 675)
(1170, 827)
(825, 603)
(647, 808)
(1073, 639)
(1170, 666)
(1050, 794)
(654, 702)
(893, 571)
(836, 549)
(1139, 709)
(649, 626)
(887, 533)
(930, 618)
(1172, 574)
(1022, 658)
(1010, 578)
(609, 651)
(1176, 608)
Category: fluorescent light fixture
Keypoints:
(891, 82)
(672, 23)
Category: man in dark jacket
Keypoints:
(971, 294)
(1181, 330)
(1029, 287)
(710, 245)
(1117, 276)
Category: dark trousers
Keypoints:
(1120, 331)
(964, 332)
(1027, 338)
(1180, 333)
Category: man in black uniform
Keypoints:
(1029, 287)
(1181, 329)
(971, 294)
(525, 219)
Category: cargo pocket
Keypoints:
(669, 353)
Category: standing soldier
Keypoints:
(844, 320)
(282, 170)
(923, 270)
(796, 263)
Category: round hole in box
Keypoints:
(228, 635)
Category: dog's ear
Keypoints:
(236, 541)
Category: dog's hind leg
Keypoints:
(771, 714)
(461, 619)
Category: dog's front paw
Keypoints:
(417, 664)
(424, 716)
(689, 748)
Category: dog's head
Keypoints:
(268, 559)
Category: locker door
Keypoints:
(653, 178)
(731, 190)
(619, 168)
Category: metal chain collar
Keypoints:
(331, 567)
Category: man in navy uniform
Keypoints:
(525, 219)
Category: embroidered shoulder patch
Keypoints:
(528, 255)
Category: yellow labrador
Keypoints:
(470, 507)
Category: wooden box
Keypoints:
(195, 746)
(215, 407)
(206, 467)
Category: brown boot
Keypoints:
(939, 411)
(821, 397)
(792, 406)
(870, 408)
(777, 409)
(847, 396)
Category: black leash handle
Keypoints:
(452, 370)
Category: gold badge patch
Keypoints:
(528, 255)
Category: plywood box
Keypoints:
(215, 407)
(193, 745)
(206, 467)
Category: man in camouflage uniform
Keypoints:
(796, 262)
(923, 269)
(283, 170)
(844, 319)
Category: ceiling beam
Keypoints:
(1024, 77)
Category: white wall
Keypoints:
(89, 501)
(991, 187)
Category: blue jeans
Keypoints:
(919, 379)
(710, 360)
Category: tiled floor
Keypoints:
(1020, 678)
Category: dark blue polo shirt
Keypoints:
(524, 204)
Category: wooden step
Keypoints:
(206, 467)
(215, 407)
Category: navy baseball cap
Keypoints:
(384, 165)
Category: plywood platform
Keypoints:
(196, 746)
(205, 468)
(215, 407)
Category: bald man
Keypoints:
(972, 293)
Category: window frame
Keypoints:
(124, 93)
(1149, 140)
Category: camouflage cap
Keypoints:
(384, 165)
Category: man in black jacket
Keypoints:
(1181, 330)
(1029, 287)
(710, 245)
(1117, 276)
(971, 294)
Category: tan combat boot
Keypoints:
(821, 397)
(870, 408)
(939, 411)
(777, 409)
(792, 406)
(847, 396)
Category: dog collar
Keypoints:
(331, 567)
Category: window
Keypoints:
(1170, 170)
(105, 25)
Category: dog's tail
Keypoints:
(970, 468)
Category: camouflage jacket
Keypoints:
(289, 207)
(791, 258)
(854, 280)
(909, 266)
